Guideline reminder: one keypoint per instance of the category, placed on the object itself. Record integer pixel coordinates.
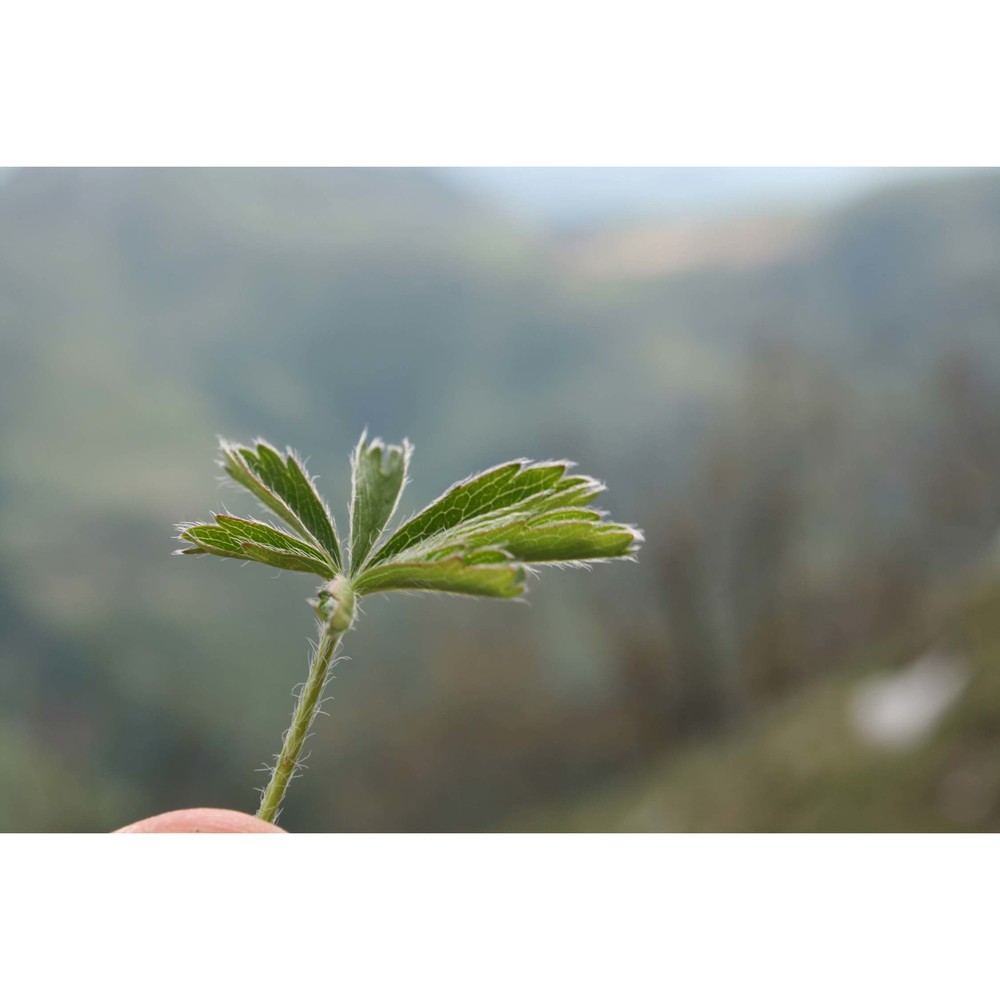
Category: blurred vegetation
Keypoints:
(802, 765)
(801, 411)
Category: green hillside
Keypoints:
(803, 766)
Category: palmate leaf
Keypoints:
(479, 538)
(378, 474)
(239, 538)
(280, 483)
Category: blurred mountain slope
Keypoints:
(306, 304)
(803, 766)
(142, 312)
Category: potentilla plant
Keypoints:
(481, 538)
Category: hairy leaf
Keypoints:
(238, 538)
(559, 537)
(532, 512)
(378, 474)
(513, 486)
(477, 573)
(479, 538)
(281, 484)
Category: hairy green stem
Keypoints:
(305, 711)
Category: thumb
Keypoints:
(201, 821)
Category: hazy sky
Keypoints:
(585, 194)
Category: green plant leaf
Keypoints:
(475, 573)
(281, 483)
(239, 538)
(532, 511)
(560, 536)
(378, 474)
(479, 538)
(517, 513)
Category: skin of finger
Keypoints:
(201, 821)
